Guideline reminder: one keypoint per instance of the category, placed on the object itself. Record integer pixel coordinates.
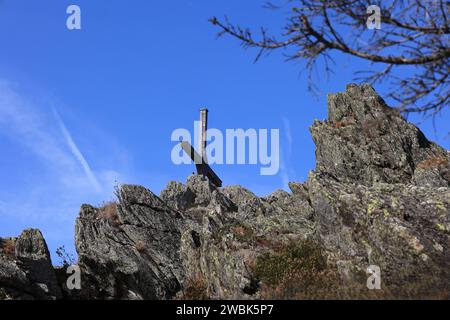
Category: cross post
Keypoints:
(199, 158)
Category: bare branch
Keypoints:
(410, 52)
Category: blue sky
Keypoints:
(82, 111)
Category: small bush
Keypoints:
(343, 123)
(242, 232)
(273, 268)
(66, 259)
(9, 247)
(109, 211)
(195, 289)
(140, 246)
(300, 272)
(433, 162)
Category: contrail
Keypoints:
(77, 153)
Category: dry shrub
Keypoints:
(328, 285)
(250, 263)
(140, 246)
(301, 284)
(423, 286)
(273, 268)
(433, 162)
(195, 289)
(108, 211)
(264, 242)
(243, 233)
(324, 285)
(343, 123)
(239, 230)
(300, 272)
(9, 247)
(272, 244)
(66, 259)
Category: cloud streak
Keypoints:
(44, 186)
(25, 123)
(76, 152)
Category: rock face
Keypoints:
(130, 250)
(26, 271)
(364, 141)
(381, 191)
(379, 196)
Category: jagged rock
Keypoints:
(376, 198)
(381, 193)
(177, 196)
(222, 246)
(249, 205)
(26, 271)
(129, 251)
(198, 194)
(403, 229)
(365, 141)
(299, 190)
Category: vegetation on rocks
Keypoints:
(8, 246)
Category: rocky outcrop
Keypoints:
(364, 141)
(129, 250)
(379, 195)
(26, 271)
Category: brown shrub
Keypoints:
(273, 268)
(343, 123)
(108, 211)
(195, 289)
(433, 162)
(300, 272)
(9, 247)
(270, 243)
(140, 246)
(312, 284)
(264, 242)
(250, 263)
(239, 230)
(243, 233)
